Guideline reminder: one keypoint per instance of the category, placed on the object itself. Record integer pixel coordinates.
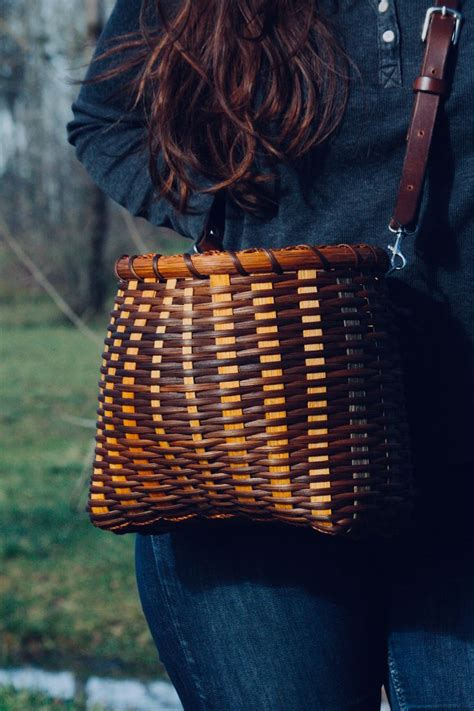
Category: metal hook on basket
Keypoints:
(397, 260)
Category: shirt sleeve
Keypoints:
(110, 138)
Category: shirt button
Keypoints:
(383, 6)
(388, 36)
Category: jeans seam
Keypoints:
(392, 667)
(189, 658)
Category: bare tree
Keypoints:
(99, 218)
(94, 18)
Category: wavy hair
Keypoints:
(229, 89)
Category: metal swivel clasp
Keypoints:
(398, 260)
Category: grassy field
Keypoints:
(11, 700)
(68, 596)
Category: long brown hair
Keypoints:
(231, 87)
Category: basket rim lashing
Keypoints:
(252, 261)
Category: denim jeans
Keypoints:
(278, 618)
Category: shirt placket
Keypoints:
(388, 39)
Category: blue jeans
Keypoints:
(278, 618)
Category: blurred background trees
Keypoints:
(50, 206)
(95, 18)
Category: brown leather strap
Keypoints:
(429, 88)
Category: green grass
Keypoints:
(12, 700)
(68, 595)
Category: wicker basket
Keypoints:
(263, 384)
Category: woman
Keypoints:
(299, 110)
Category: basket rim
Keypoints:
(253, 260)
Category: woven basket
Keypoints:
(263, 384)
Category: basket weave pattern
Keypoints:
(273, 394)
